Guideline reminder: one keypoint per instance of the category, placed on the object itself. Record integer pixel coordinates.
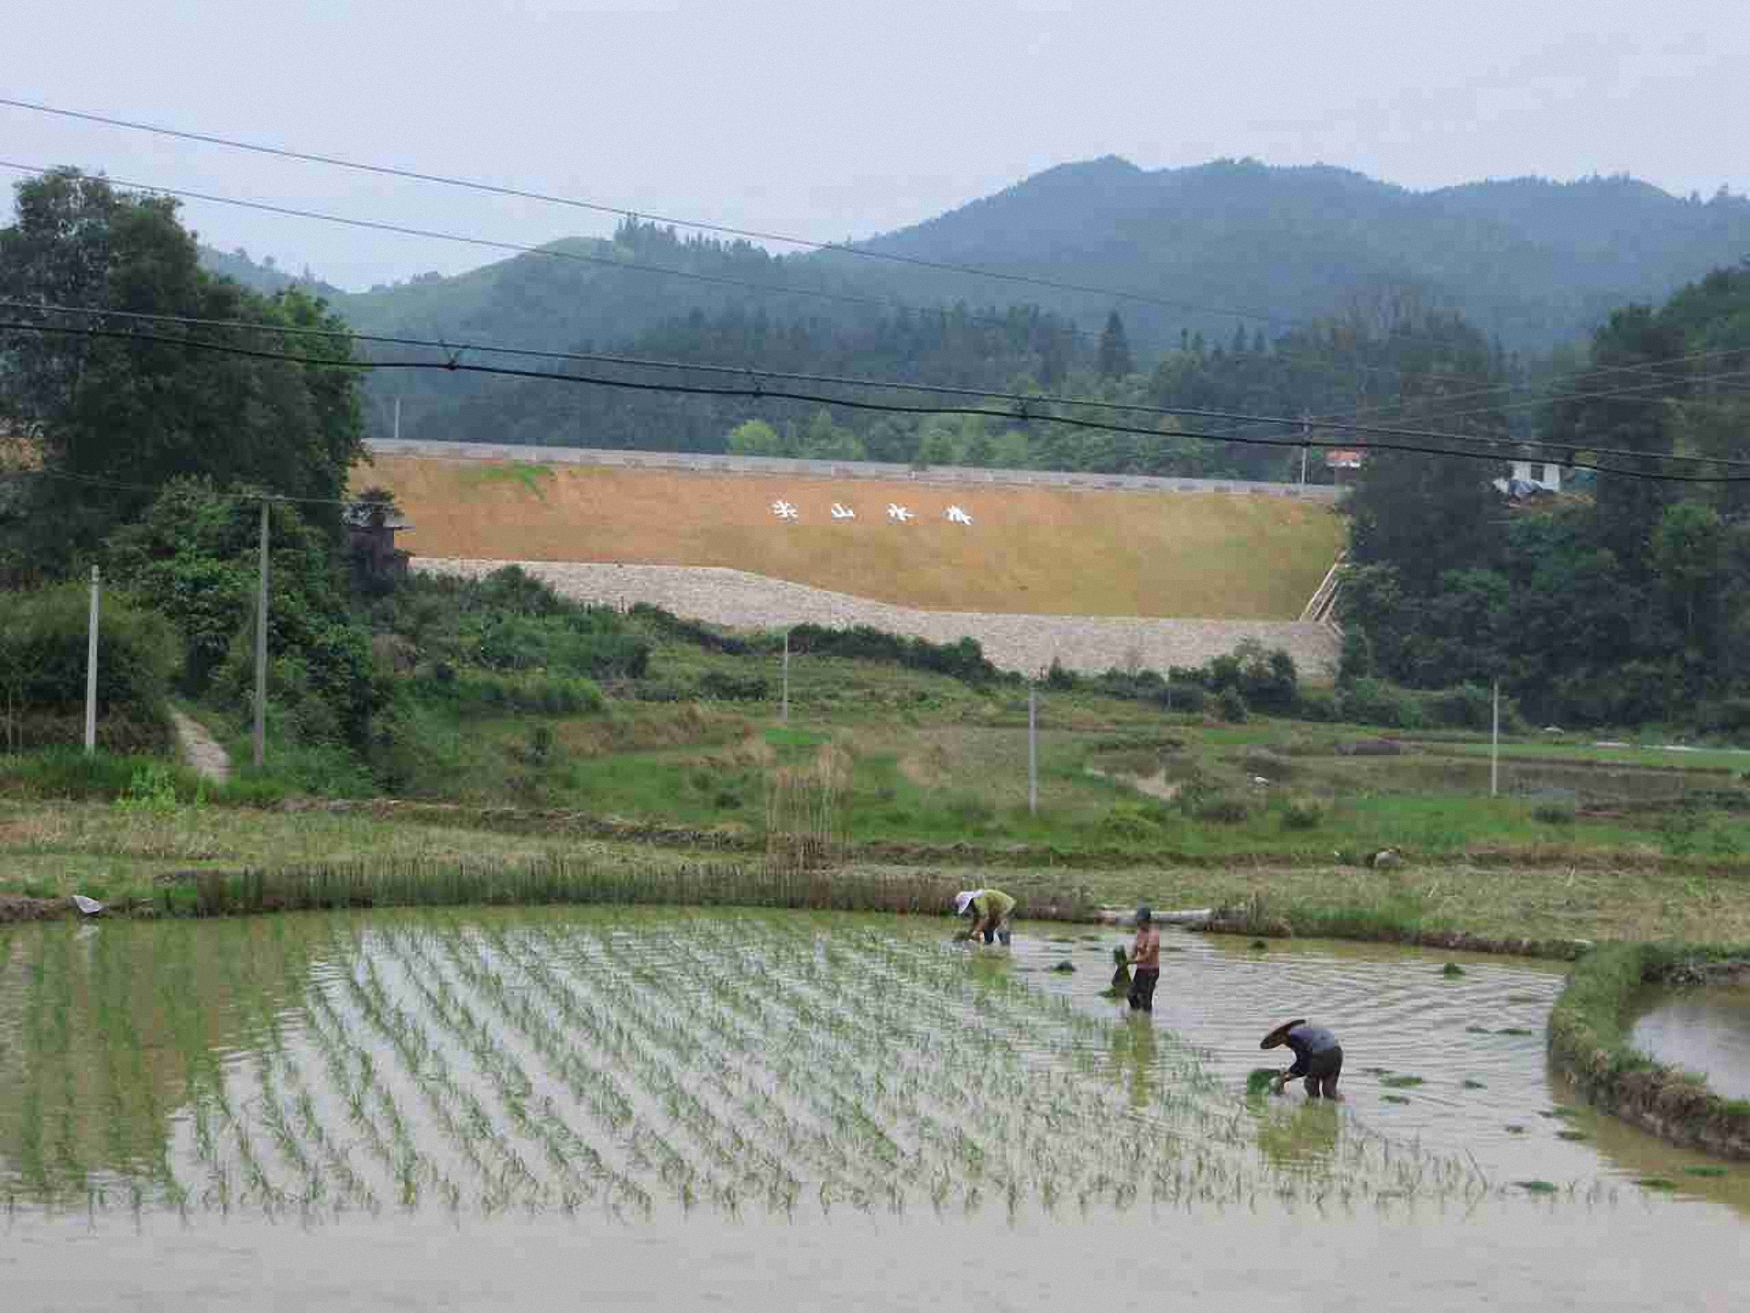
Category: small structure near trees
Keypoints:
(371, 524)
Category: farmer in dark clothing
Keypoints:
(1317, 1056)
(1145, 956)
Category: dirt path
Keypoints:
(201, 750)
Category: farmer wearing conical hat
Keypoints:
(990, 911)
(1317, 1056)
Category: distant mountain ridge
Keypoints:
(1207, 250)
(1530, 261)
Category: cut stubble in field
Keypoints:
(1029, 550)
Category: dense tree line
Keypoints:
(114, 418)
(1626, 606)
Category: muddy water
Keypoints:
(1705, 1029)
(540, 1110)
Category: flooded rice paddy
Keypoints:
(1705, 1028)
(536, 1108)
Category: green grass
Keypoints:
(533, 478)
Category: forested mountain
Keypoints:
(266, 276)
(1529, 263)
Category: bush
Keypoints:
(1232, 706)
(1728, 715)
(1318, 705)
(1375, 702)
(1059, 679)
(964, 660)
(1302, 814)
(1221, 809)
(1132, 686)
(1186, 696)
(1130, 822)
(669, 625)
(724, 686)
(1553, 813)
(67, 772)
(43, 638)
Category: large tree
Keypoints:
(155, 401)
(1639, 355)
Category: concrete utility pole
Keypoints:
(398, 422)
(1032, 750)
(261, 647)
(1303, 467)
(1495, 747)
(784, 707)
(91, 669)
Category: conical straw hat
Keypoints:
(1278, 1036)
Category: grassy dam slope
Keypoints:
(1028, 550)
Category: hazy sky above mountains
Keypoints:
(831, 120)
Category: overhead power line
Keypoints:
(761, 377)
(757, 390)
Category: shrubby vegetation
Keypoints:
(963, 660)
(43, 650)
(1628, 606)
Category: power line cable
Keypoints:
(757, 390)
(457, 349)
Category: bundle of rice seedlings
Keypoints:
(1261, 1080)
(1120, 986)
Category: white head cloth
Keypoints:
(964, 897)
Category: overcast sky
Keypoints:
(831, 120)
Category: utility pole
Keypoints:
(1032, 749)
(261, 647)
(1303, 467)
(91, 670)
(398, 423)
(784, 708)
(1495, 747)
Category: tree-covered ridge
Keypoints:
(1531, 264)
(264, 275)
(1628, 605)
(1529, 261)
(1359, 362)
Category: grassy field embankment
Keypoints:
(1028, 550)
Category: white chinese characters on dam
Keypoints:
(789, 511)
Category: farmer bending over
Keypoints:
(990, 911)
(1145, 956)
(1317, 1056)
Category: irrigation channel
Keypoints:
(522, 1109)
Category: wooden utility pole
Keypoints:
(1495, 747)
(261, 647)
(1032, 750)
(91, 669)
